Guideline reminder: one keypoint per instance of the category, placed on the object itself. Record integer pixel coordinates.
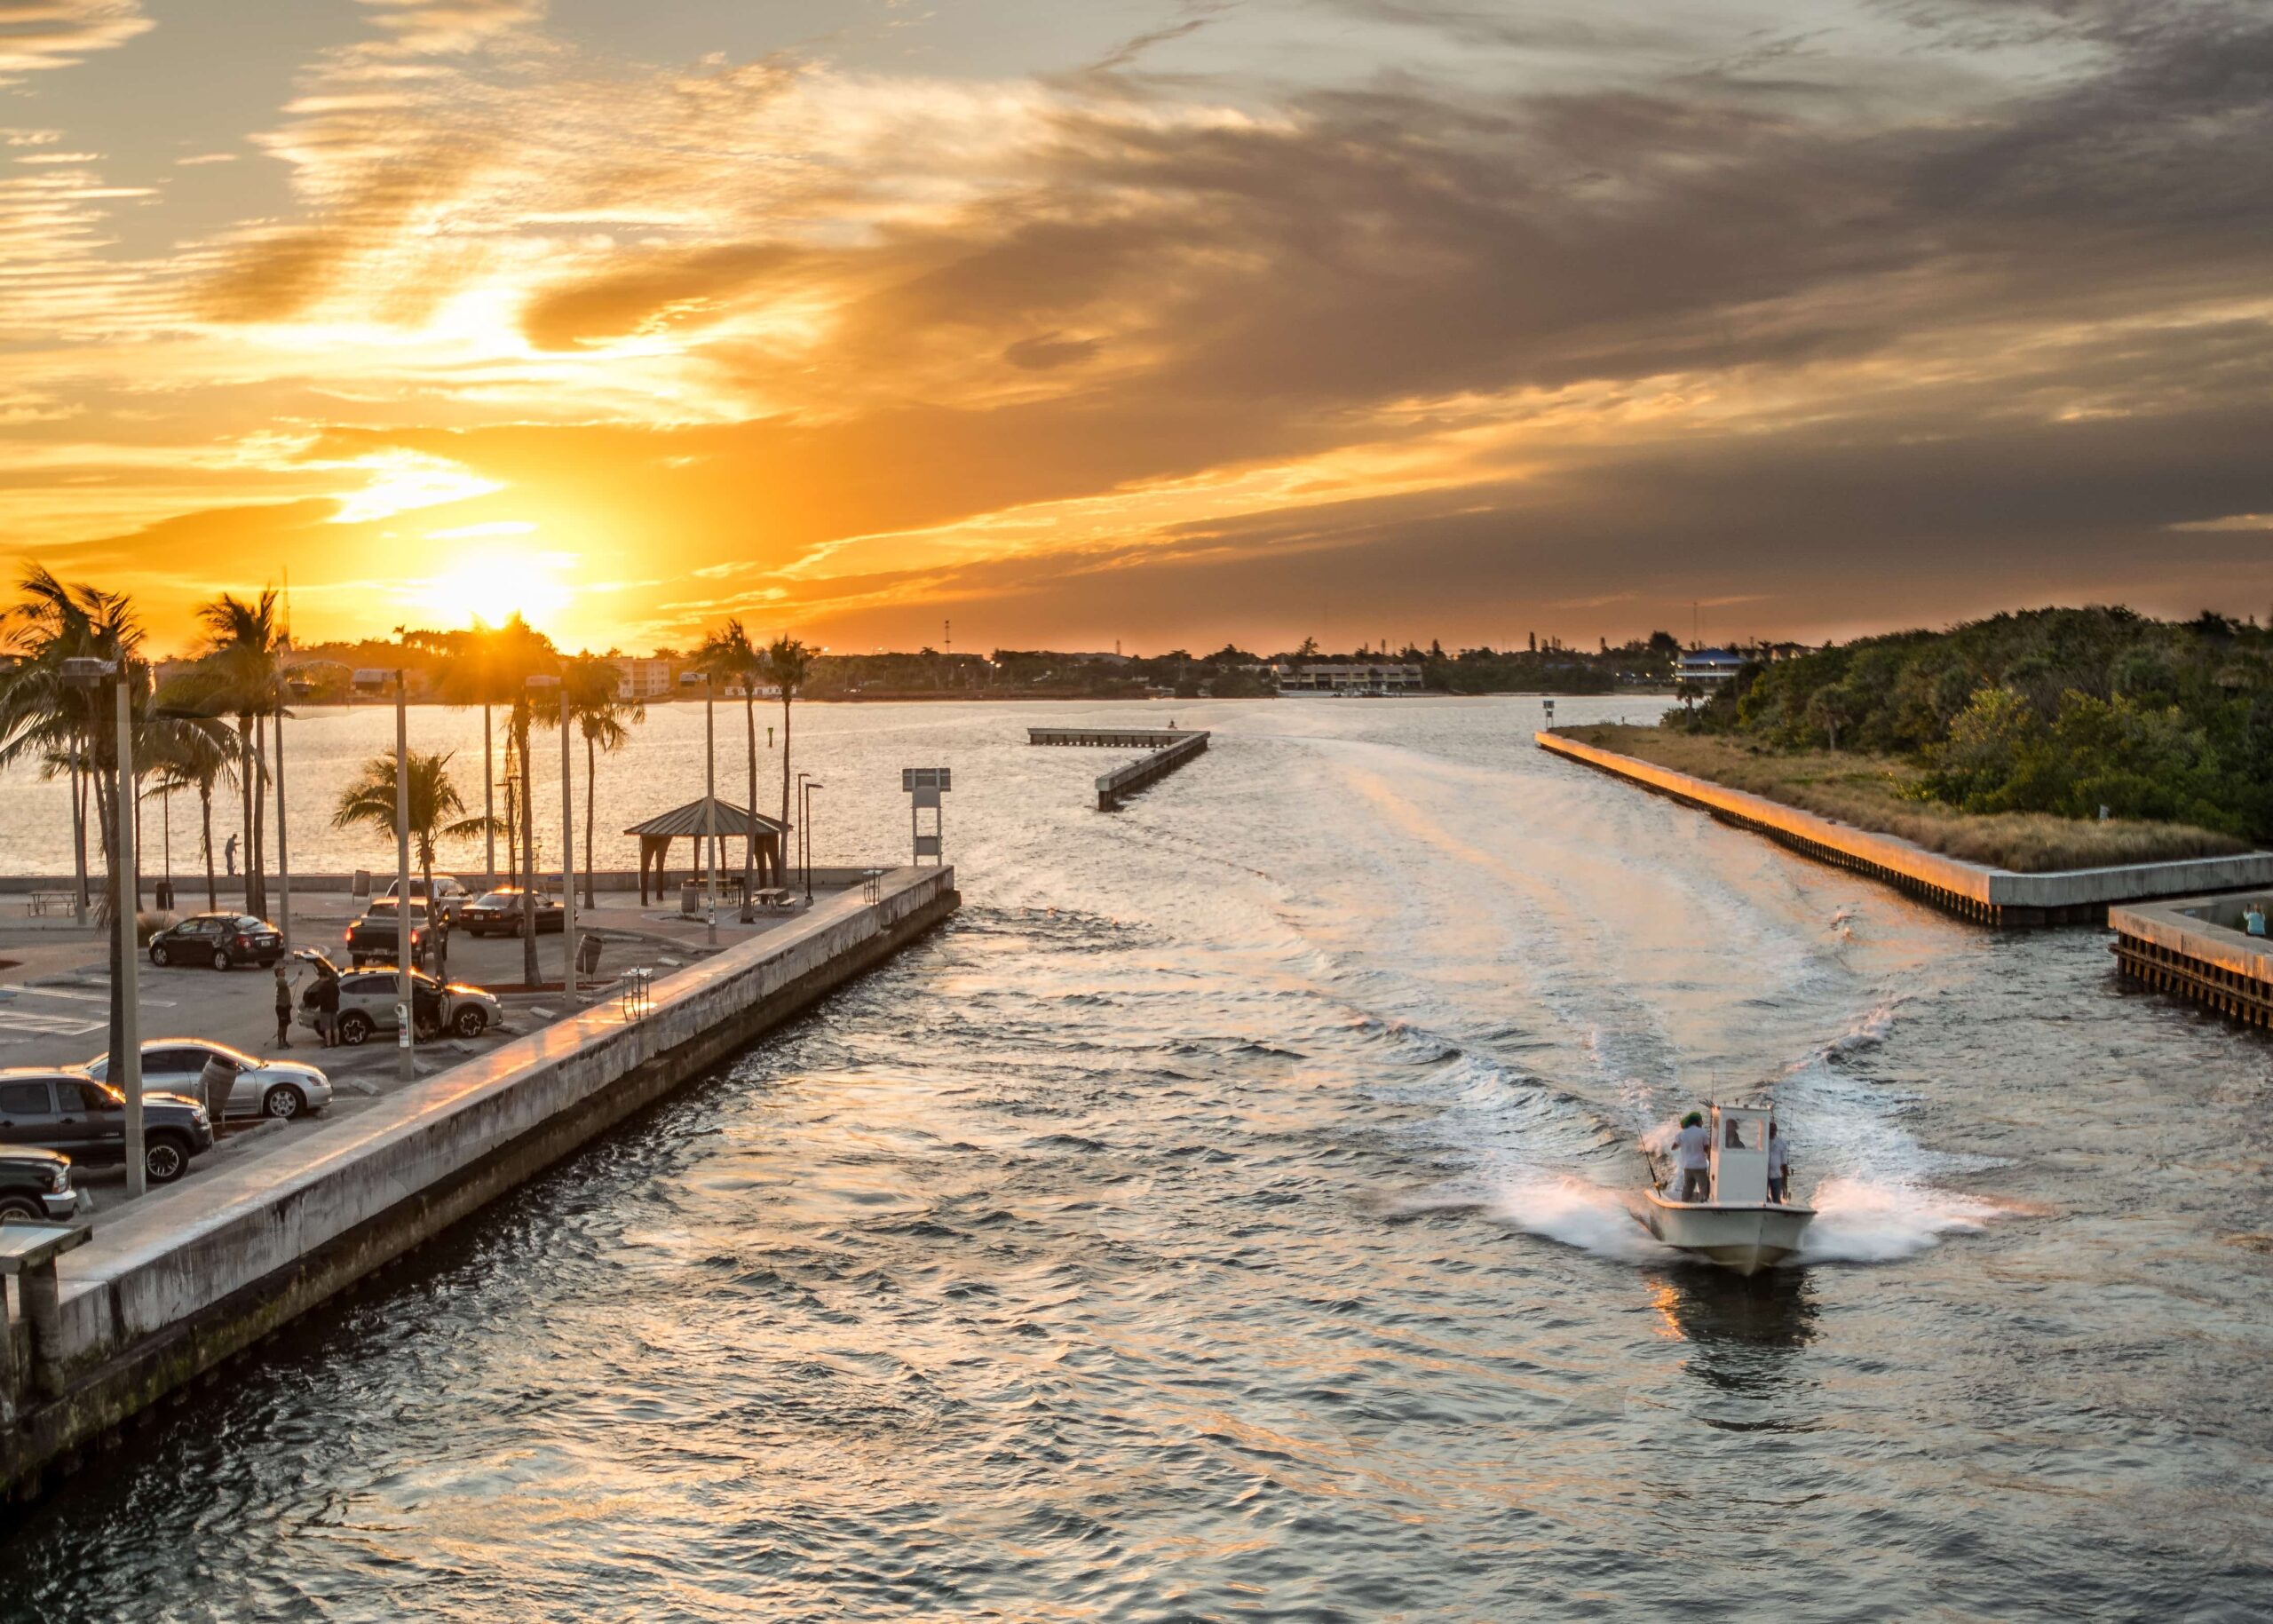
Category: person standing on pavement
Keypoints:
(283, 1009)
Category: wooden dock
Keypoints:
(1111, 738)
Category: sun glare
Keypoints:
(493, 584)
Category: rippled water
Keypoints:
(1224, 1218)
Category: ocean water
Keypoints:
(1227, 1216)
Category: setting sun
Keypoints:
(493, 583)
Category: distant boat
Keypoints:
(1739, 1228)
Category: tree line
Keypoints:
(206, 728)
(2066, 711)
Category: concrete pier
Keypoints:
(1110, 738)
(174, 1285)
(1971, 890)
(2197, 948)
(1169, 749)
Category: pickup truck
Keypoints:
(374, 938)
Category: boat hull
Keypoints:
(1746, 1237)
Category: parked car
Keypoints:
(450, 898)
(37, 1184)
(282, 1088)
(367, 1000)
(223, 940)
(375, 938)
(498, 912)
(61, 1108)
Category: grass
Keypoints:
(1877, 793)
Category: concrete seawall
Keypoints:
(1122, 782)
(2199, 948)
(1972, 891)
(170, 1288)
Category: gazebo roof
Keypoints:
(690, 821)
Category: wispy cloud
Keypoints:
(37, 35)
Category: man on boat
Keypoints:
(1693, 1154)
(1775, 1173)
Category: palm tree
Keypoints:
(240, 674)
(46, 716)
(434, 799)
(727, 655)
(600, 717)
(197, 754)
(789, 663)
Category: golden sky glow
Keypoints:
(1172, 322)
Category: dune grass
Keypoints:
(1874, 792)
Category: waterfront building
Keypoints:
(1708, 667)
(641, 679)
(1349, 676)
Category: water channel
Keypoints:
(1223, 1218)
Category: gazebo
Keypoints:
(762, 834)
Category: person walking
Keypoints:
(229, 853)
(1693, 1154)
(283, 1009)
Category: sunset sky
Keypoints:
(1173, 323)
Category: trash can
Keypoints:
(588, 952)
(690, 900)
(162, 898)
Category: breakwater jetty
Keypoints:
(1167, 748)
(167, 1290)
(2199, 948)
(1999, 896)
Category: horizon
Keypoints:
(1156, 323)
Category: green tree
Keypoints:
(240, 674)
(728, 656)
(200, 756)
(435, 803)
(788, 664)
(45, 717)
(601, 717)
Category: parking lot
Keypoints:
(55, 1003)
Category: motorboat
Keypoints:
(1737, 1226)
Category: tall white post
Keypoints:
(567, 857)
(711, 801)
(129, 1059)
(488, 805)
(283, 856)
(407, 1008)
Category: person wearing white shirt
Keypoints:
(1693, 1154)
(1776, 1164)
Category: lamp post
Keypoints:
(406, 1009)
(568, 844)
(805, 827)
(90, 675)
(710, 802)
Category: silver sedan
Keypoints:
(282, 1088)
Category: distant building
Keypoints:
(1349, 676)
(641, 678)
(1708, 667)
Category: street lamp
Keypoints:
(405, 1010)
(805, 827)
(90, 675)
(568, 844)
(711, 801)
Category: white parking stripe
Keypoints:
(56, 991)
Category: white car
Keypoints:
(281, 1089)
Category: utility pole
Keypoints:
(283, 856)
(567, 858)
(406, 1006)
(710, 803)
(125, 991)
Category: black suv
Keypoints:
(218, 940)
(36, 1185)
(61, 1108)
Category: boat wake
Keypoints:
(1580, 1214)
(1857, 1222)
